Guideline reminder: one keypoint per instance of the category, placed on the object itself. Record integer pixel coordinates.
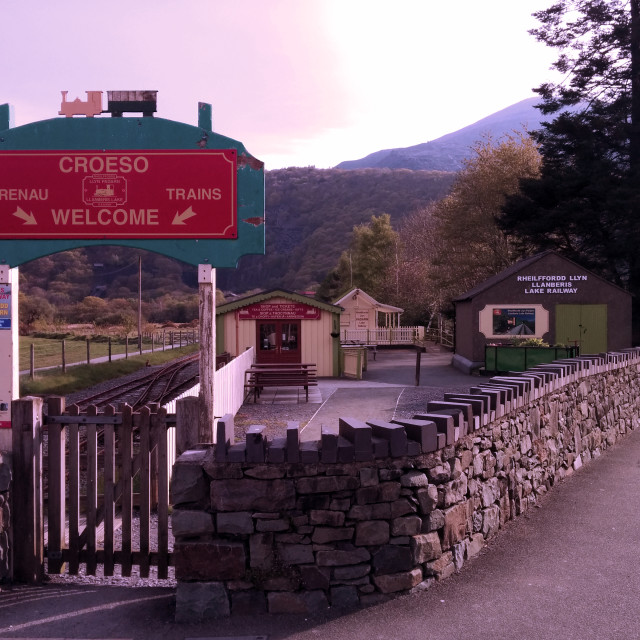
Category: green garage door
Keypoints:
(582, 324)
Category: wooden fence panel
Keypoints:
(126, 477)
(109, 493)
(56, 488)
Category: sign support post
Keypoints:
(9, 351)
(207, 312)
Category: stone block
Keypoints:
(372, 532)
(425, 547)
(326, 535)
(266, 525)
(261, 551)
(433, 521)
(440, 567)
(359, 434)
(236, 522)
(237, 452)
(276, 451)
(255, 443)
(344, 597)
(455, 525)
(414, 479)
(248, 603)
(406, 526)
(444, 424)
(424, 432)
(293, 442)
(369, 477)
(200, 601)
(346, 451)
(210, 561)
(380, 447)
(186, 523)
(351, 573)
(370, 511)
(474, 545)
(392, 559)
(393, 582)
(329, 446)
(310, 452)
(326, 518)
(339, 557)
(393, 433)
(307, 602)
(313, 577)
(427, 499)
(249, 494)
(402, 507)
(291, 554)
(188, 482)
(326, 484)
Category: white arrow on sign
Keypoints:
(28, 218)
(185, 215)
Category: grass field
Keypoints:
(54, 382)
(48, 352)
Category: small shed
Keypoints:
(546, 296)
(283, 327)
(362, 312)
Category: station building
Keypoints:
(362, 313)
(283, 327)
(546, 296)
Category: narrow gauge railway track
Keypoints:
(158, 386)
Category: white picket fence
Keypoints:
(227, 398)
(382, 335)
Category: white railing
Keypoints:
(227, 397)
(382, 335)
(229, 384)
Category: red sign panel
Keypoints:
(279, 311)
(118, 194)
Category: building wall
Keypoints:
(358, 314)
(521, 290)
(317, 343)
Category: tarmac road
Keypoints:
(569, 570)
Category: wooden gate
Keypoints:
(98, 467)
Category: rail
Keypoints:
(382, 335)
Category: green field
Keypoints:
(54, 382)
(48, 351)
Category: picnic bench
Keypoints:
(259, 376)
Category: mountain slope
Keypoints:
(448, 152)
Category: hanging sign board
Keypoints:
(279, 311)
(118, 194)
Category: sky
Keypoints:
(298, 82)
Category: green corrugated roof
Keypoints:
(277, 293)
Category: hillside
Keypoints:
(310, 214)
(448, 152)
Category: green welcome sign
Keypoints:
(145, 182)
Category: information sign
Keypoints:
(5, 306)
(118, 194)
(279, 311)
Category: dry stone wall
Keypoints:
(380, 508)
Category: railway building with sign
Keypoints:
(283, 327)
(546, 296)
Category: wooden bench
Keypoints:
(288, 375)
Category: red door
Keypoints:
(278, 341)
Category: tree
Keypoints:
(466, 244)
(586, 202)
(368, 261)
